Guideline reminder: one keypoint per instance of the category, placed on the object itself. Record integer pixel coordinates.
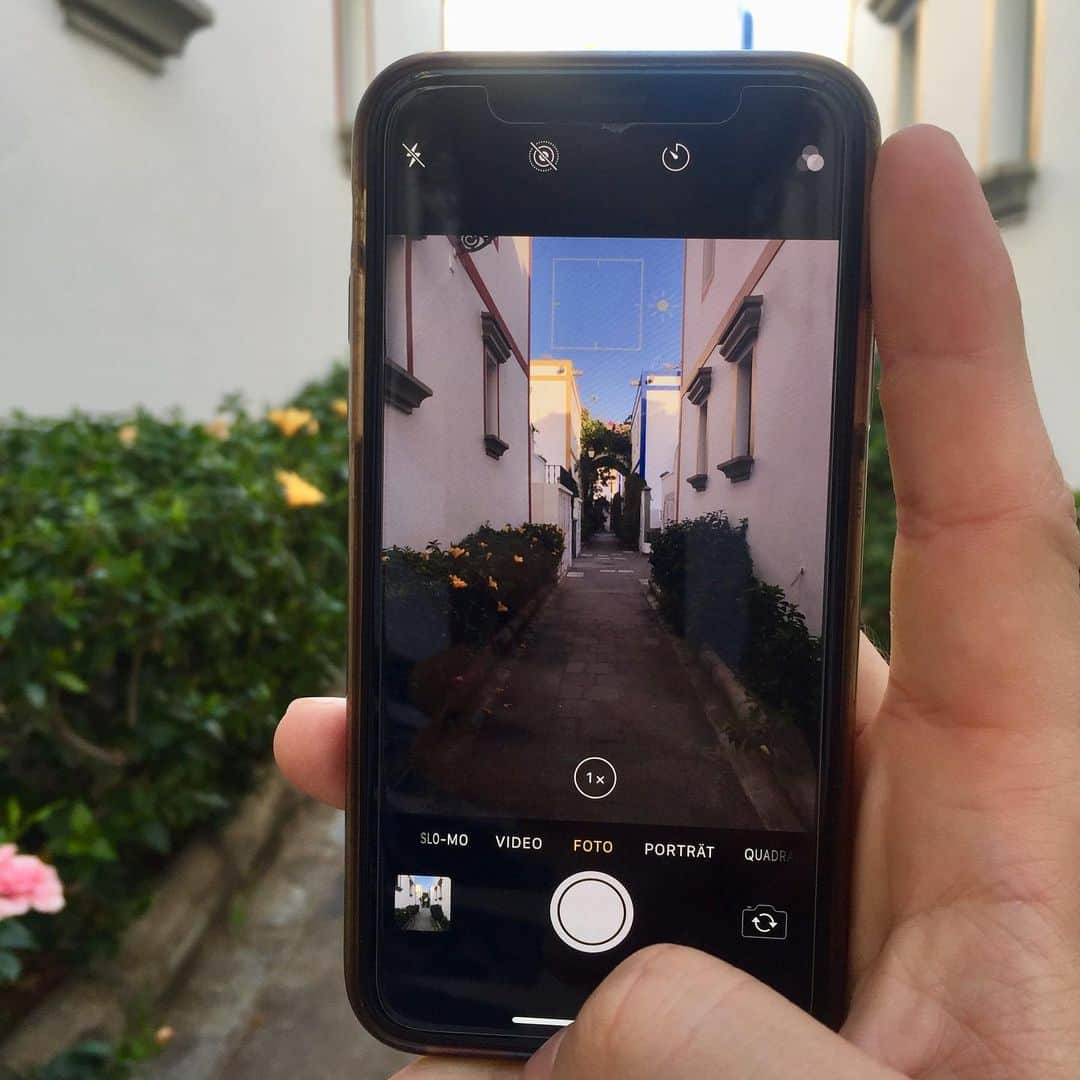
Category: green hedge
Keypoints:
(704, 572)
(164, 588)
(628, 527)
(707, 592)
(880, 531)
(465, 593)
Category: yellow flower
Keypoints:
(219, 428)
(164, 1035)
(289, 421)
(457, 552)
(312, 426)
(340, 407)
(128, 435)
(488, 555)
(500, 606)
(519, 558)
(457, 582)
(492, 583)
(482, 544)
(297, 491)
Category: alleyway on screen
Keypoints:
(595, 674)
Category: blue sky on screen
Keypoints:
(611, 306)
(424, 883)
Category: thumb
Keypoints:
(680, 1014)
(984, 572)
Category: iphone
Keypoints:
(610, 352)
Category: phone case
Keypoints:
(845, 512)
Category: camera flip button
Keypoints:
(592, 912)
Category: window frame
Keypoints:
(495, 352)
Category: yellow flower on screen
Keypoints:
(219, 428)
(492, 583)
(457, 552)
(297, 491)
(290, 421)
(458, 583)
(501, 607)
(312, 426)
(339, 407)
(128, 435)
(519, 558)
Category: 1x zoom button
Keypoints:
(591, 911)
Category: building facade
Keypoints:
(555, 414)
(755, 413)
(555, 411)
(456, 429)
(1001, 75)
(176, 211)
(654, 433)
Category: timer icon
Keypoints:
(675, 158)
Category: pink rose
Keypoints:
(26, 882)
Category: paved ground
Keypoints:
(422, 921)
(266, 997)
(595, 674)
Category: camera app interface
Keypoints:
(602, 552)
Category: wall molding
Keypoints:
(147, 32)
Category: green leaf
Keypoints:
(14, 935)
(156, 836)
(101, 850)
(10, 967)
(35, 694)
(91, 504)
(81, 820)
(70, 681)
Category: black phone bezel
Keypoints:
(852, 103)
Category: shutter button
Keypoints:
(591, 911)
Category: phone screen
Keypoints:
(605, 556)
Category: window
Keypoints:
(491, 393)
(697, 393)
(703, 437)
(744, 382)
(355, 63)
(1008, 123)
(1011, 106)
(736, 345)
(907, 70)
(496, 353)
(708, 265)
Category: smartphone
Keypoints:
(610, 353)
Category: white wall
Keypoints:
(953, 89)
(552, 504)
(403, 27)
(1044, 246)
(439, 481)
(168, 238)
(786, 495)
(556, 412)
(661, 437)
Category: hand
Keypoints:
(966, 925)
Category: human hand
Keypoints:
(965, 958)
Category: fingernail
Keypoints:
(542, 1064)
